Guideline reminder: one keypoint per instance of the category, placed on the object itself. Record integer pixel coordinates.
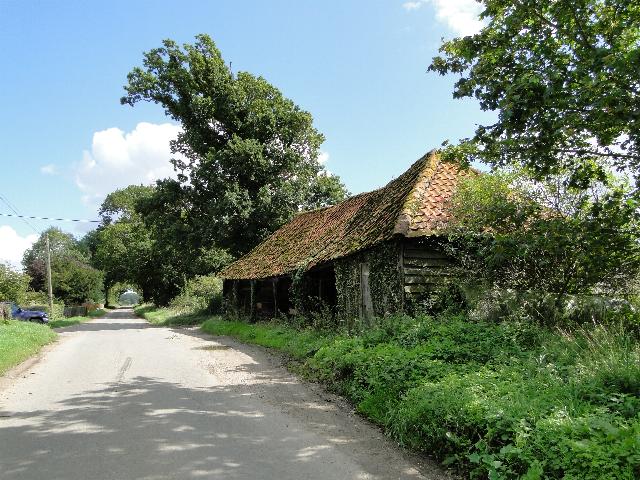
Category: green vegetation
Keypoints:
(548, 245)
(20, 340)
(169, 317)
(562, 78)
(246, 160)
(13, 285)
(496, 400)
(199, 294)
(67, 322)
(74, 281)
(298, 343)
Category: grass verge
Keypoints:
(67, 322)
(20, 340)
(488, 400)
(168, 317)
(299, 344)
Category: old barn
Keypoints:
(370, 255)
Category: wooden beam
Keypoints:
(426, 262)
(433, 272)
(415, 253)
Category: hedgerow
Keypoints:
(489, 400)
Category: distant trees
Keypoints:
(73, 279)
(13, 284)
(121, 246)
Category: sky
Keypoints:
(359, 67)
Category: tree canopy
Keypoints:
(13, 284)
(73, 279)
(246, 156)
(121, 246)
(563, 77)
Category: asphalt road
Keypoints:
(119, 399)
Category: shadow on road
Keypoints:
(170, 432)
(258, 422)
(95, 326)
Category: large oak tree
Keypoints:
(246, 156)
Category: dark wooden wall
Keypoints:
(424, 266)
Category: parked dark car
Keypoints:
(29, 315)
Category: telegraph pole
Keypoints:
(49, 278)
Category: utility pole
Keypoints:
(49, 279)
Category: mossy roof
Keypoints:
(412, 205)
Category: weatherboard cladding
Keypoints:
(412, 205)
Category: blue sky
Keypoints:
(359, 66)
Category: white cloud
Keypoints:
(412, 5)
(323, 158)
(49, 169)
(13, 246)
(118, 159)
(461, 16)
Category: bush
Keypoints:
(40, 301)
(201, 293)
(518, 234)
(13, 284)
(568, 410)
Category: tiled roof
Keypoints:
(414, 204)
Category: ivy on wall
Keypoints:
(385, 283)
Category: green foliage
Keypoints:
(20, 340)
(121, 246)
(128, 298)
(516, 234)
(74, 281)
(562, 77)
(13, 285)
(62, 246)
(199, 294)
(40, 301)
(70, 321)
(299, 343)
(510, 400)
(169, 317)
(384, 282)
(569, 409)
(248, 155)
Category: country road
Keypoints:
(117, 398)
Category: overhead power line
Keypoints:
(14, 210)
(24, 217)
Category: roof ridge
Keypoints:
(412, 200)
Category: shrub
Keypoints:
(201, 293)
(492, 400)
(40, 301)
(575, 398)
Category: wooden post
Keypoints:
(274, 285)
(366, 303)
(252, 300)
(49, 286)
